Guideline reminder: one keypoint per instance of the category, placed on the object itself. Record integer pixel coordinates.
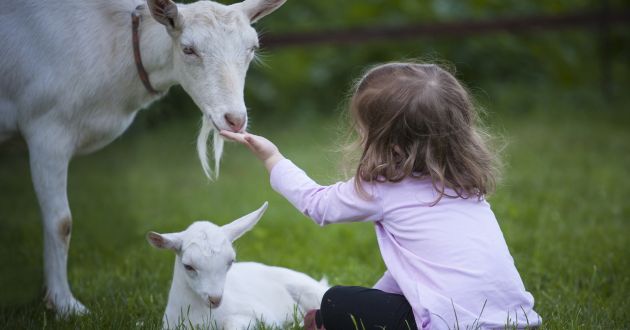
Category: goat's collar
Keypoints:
(135, 39)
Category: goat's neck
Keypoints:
(156, 49)
(183, 303)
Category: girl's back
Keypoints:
(455, 251)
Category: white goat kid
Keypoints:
(69, 85)
(209, 289)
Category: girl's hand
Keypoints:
(264, 149)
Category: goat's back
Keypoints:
(60, 52)
(267, 293)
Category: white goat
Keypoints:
(70, 84)
(209, 289)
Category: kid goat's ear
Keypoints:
(257, 9)
(164, 241)
(238, 227)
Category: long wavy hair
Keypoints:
(417, 120)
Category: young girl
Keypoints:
(422, 179)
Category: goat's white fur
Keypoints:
(69, 85)
(236, 297)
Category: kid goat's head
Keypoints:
(213, 45)
(205, 254)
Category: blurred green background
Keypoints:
(556, 98)
(298, 79)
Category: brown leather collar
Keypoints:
(135, 39)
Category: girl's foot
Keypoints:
(310, 320)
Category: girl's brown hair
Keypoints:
(416, 120)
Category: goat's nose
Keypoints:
(235, 121)
(214, 301)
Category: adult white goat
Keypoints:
(72, 80)
(210, 289)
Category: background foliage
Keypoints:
(569, 59)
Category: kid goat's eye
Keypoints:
(189, 268)
(189, 50)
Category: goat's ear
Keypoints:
(166, 13)
(257, 9)
(237, 228)
(165, 241)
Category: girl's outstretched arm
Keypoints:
(324, 204)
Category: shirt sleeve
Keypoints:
(324, 204)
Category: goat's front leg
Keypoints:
(49, 169)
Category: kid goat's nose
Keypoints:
(214, 301)
(235, 121)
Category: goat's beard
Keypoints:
(202, 147)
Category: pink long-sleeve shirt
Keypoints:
(450, 260)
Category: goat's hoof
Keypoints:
(66, 307)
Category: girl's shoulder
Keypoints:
(419, 189)
(415, 185)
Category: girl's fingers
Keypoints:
(251, 141)
(242, 138)
(227, 134)
(237, 137)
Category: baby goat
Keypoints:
(209, 289)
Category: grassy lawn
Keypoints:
(562, 206)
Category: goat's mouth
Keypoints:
(225, 120)
(213, 304)
(214, 124)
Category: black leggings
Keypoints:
(359, 308)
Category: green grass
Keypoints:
(562, 206)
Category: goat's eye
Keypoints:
(189, 268)
(189, 50)
(230, 263)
